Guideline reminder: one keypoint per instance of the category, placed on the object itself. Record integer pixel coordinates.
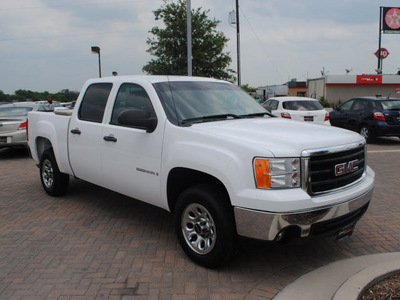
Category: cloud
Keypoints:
(47, 43)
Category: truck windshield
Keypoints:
(187, 102)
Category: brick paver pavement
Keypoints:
(96, 244)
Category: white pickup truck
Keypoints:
(207, 152)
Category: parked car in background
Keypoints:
(298, 108)
(13, 122)
(369, 116)
(68, 105)
(47, 106)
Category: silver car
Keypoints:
(13, 123)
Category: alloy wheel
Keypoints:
(198, 228)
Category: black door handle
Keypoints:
(75, 131)
(110, 138)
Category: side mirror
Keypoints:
(137, 118)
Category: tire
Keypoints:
(53, 181)
(366, 133)
(204, 224)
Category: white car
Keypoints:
(298, 108)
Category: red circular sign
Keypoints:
(392, 18)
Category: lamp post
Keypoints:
(96, 49)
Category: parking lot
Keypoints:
(96, 244)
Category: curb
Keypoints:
(357, 284)
(325, 282)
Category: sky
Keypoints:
(45, 45)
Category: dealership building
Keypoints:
(339, 88)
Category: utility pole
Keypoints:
(379, 70)
(238, 43)
(189, 36)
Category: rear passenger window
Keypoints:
(94, 102)
(377, 105)
(360, 105)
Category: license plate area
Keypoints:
(345, 232)
(3, 139)
(309, 118)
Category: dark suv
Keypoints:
(370, 116)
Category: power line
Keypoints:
(262, 46)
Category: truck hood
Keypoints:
(283, 138)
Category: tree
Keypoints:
(169, 45)
(4, 97)
(64, 95)
(248, 89)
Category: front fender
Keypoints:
(228, 161)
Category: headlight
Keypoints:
(277, 173)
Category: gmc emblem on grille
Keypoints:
(346, 168)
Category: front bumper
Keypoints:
(270, 226)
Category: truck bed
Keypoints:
(50, 126)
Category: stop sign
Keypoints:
(384, 53)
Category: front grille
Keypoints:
(331, 170)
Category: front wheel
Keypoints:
(54, 182)
(204, 225)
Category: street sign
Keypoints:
(391, 20)
(384, 53)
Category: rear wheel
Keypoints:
(54, 182)
(204, 225)
(366, 133)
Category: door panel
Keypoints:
(85, 134)
(131, 156)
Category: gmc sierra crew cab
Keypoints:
(210, 154)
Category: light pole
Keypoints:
(96, 49)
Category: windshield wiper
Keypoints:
(260, 114)
(210, 118)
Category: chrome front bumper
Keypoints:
(267, 226)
